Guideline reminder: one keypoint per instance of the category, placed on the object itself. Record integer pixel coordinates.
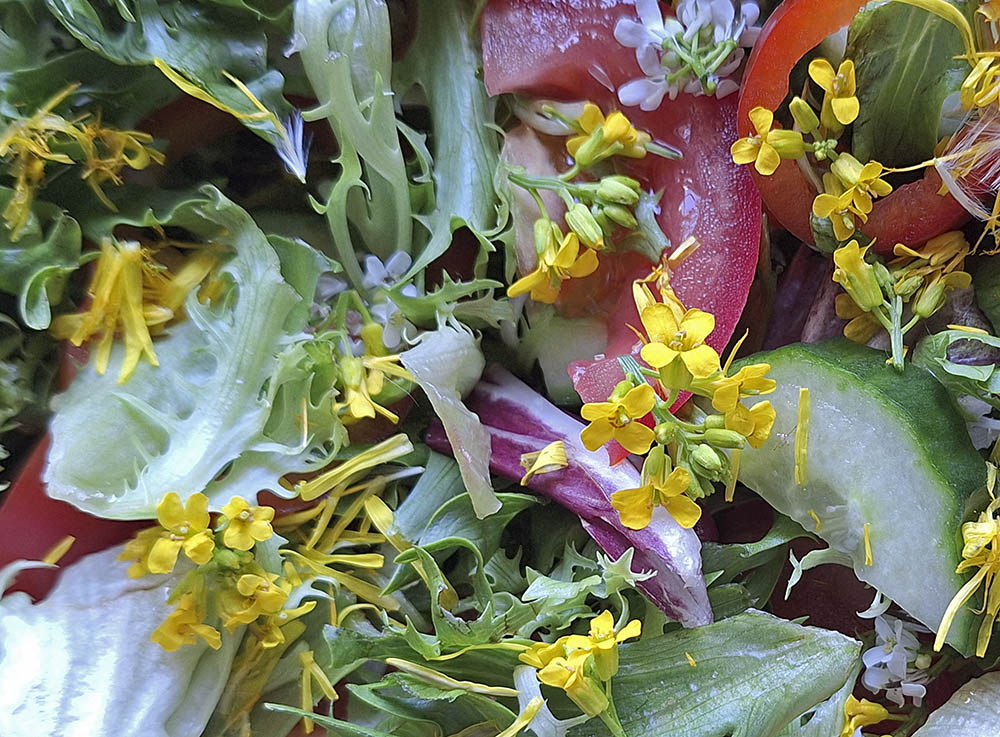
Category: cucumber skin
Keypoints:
(920, 405)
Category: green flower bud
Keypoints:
(930, 300)
(581, 221)
(706, 459)
(618, 189)
(620, 215)
(721, 438)
(715, 421)
(805, 117)
(885, 279)
(543, 235)
(592, 149)
(908, 286)
(621, 389)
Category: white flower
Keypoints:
(889, 665)
(378, 274)
(983, 429)
(700, 28)
(395, 326)
(293, 147)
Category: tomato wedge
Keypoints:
(549, 50)
(911, 214)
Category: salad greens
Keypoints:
(304, 296)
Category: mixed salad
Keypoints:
(442, 368)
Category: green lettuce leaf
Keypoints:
(907, 64)
(228, 395)
(446, 364)
(754, 673)
(198, 42)
(444, 62)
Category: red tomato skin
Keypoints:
(32, 523)
(568, 51)
(911, 214)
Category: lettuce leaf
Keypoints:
(446, 364)
(972, 711)
(198, 42)
(82, 662)
(753, 674)
(228, 395)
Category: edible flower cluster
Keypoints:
(683, 456)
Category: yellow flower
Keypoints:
(555, 265)
(754, 424)
(748, 381)
(614, 419)
(933, 295)
(253, 596)
(664, 487)
(837, 204)
(107, 151)
(861, 326)
(857, 276)
(246, 524)
(603, 642)
(766, 149)
(184, 626)
(670, 338)
(840, 105)
(137, 550)
(568, 673)
(183, 527)
(359, 387)
(981, 549)
(310, 672)
(981, 86)
(601, 137)
(858, 714)
(864, 183)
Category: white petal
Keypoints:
(649, 13)
(397, 265)
(649, 61)
(633, 35)
(726, 87)
(374, 272)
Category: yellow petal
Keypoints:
(163, 555)
(635, 506)
(698, 325)
(597, 410)
(762, 119)
(660, 323)
(585, 265)
(639, 401)
(170, 512)
(845, 109)
(635, 437)
(744, 151)
(701, 361)
(685, 510)
(767, 160)
(657, 355)
(526, 283)
(822, 73)
(596, 434)
(591, 117)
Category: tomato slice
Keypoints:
(911, 214)
(32, 523)
(568, 51)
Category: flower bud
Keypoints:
(715, 421)
(706, 459)
(543, 235)
(592, 149)
(857, 276)
(908, 286)
(620, 215)
(581, 221)
(805, 117)
(619, 189)
(722, 438)
(930, 300)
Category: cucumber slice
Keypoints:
(884, 449)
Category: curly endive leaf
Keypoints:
(194, 45)
(232, 384)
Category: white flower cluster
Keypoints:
(892, 665)
(380, 275)
(693, 52)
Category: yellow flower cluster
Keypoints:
(683, 457)
(361, 380)
(133, 294)
(593, 210)
(581, 665)
(29, 142)
(849, 191)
